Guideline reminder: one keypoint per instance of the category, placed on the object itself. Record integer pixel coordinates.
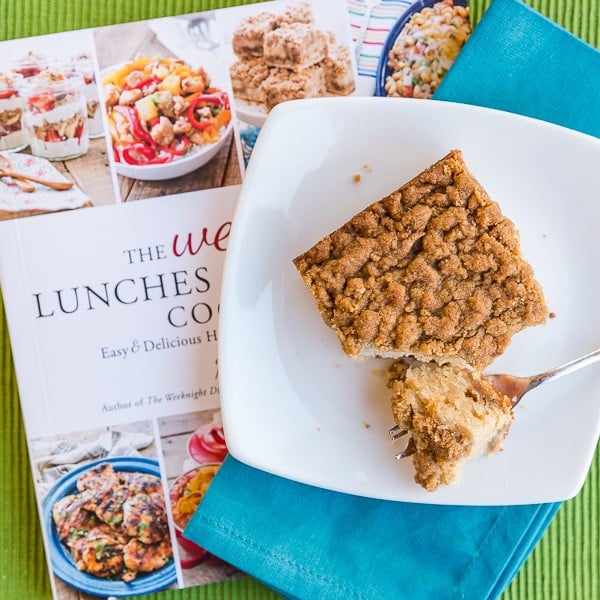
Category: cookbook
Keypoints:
(122, 153)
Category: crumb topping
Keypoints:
(299, 13)
(295, 47)
(251, 72)
(433, 270)
(249, 35)
(247, 77)
(338, 70)
(283, 85)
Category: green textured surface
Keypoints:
(564, 565)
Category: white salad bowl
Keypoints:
(179, 165)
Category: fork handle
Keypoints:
(570, 367)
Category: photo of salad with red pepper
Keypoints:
(161, 109)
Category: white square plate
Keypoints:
(295, 406)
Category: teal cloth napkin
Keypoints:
(307, 543)
(519, 61)
(311, 543)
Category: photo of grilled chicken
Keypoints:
(144, 558)
(100, 553)
(144, 518)
(115, 524)
(141, 482)
(97, 478)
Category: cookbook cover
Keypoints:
(122, 152)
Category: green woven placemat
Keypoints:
(564, 565)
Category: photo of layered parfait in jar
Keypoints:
(53, 151)
(13, 135)
(56, 115)
(83, 65)
(30, 64)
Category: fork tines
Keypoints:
(410, 449)
(396, 433)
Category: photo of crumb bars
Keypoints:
(286, 56)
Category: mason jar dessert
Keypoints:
(30, 65)
(56, 115)
(13, 135)
(83, 65)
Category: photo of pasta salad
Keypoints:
(426, 48)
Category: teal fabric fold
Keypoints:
(311, 543)
(531, 536)
(519, 61)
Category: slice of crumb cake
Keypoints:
(450, 415)
(248, 37)
(434, 271)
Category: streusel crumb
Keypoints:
(433, 270)
(297, 13)
(282, 85)
(248, 37)
(295, 47)
(339, 78)
(247, 77)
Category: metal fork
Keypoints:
(516, 387)
(395, 433)
(512, 386)
(199, 32)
